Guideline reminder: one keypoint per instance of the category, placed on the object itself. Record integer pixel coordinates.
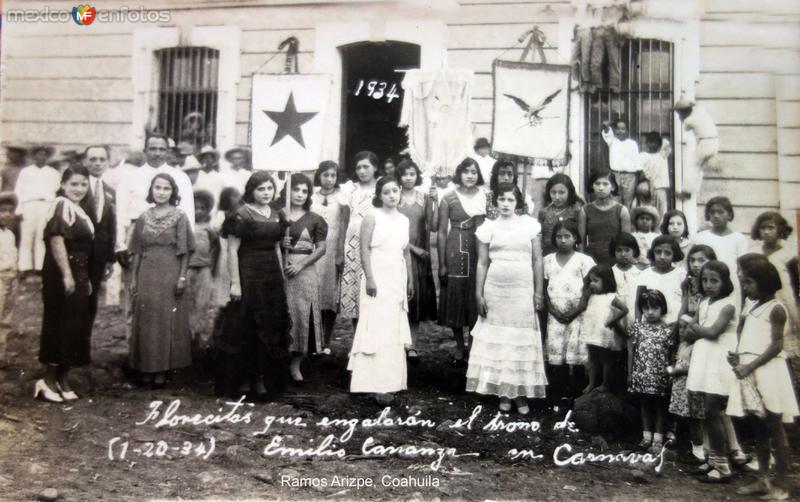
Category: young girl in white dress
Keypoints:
(763, 387)
(604, 311)
(564, 273)
(713, 332)
(506, 358)
(663, 275)
(378, 356)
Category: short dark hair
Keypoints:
(605, 274)
(653, 139)
(505, 188)
(724, 274)
(174, 197)
(258, 178)
(677, 254)
(568, 225)
(623, 239)
(325, 165)
(382, 182)
(76, 169)
(668, 216)
(720, 200)
(372, 158)
(404, 166)
(762, 271)
(157, 136)
(226, 199)
(500, 164)
(462, 166)
(561, 179)
(104, 147)
(700, 248)
(653, 298)
(298, 179)
(784, 229)
(603, 173)
(205, 197)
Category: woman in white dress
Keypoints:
(506, 359)
(378, 356)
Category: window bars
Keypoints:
(186, 97)
(644, 102)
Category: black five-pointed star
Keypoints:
(289, 122)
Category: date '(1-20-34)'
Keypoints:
(120, 450)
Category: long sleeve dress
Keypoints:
(378, 357)
(161, 338)
(506, 357)
(67, 322)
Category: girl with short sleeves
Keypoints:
(255, 344)
(418, 207)
(161, 243)
(564, 274)
(664, 276)
(562, 204)
(713, 332)
(325, 202)
(604, 311)
(603, 218)
(763, 386)
(66, 320)
(461, 211)
(506, 358)
(304, 245)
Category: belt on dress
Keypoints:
(299, 251)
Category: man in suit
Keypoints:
(99, 204)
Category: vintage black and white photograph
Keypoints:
(399, 250)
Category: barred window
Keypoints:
(187, 94)
(644, 102)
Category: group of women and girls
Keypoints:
(702, 321)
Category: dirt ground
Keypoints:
(68, 447)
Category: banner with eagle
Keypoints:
(531, 110)
(287, 117)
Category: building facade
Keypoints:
(190, 75)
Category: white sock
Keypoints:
(658, 438)
(647, 436)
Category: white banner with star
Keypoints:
(287, 118)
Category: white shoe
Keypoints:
(46, 392)
(67, 395)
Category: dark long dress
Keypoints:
(67, 323)
(255, 339)
(457, 304)
(422, 306)
(601, 227)
(161, 337)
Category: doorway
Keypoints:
(372, 98)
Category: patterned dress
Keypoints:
(302, 290)
(422, 306)
(161, 336)
(564, 290)
(329, 208)
(683, 403)
(457, 305)
(652, 345)
(506, 357)
(359, 202)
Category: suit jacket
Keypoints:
(105, 232)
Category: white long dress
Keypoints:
(506, 358)
(378, 357)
